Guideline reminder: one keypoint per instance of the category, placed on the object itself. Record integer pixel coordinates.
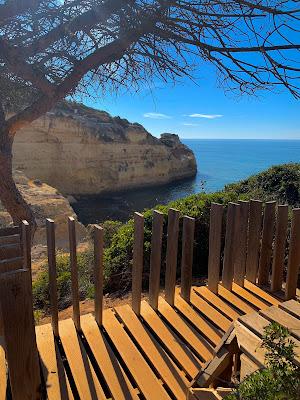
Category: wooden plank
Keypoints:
(261, 293)
(155, 258)
(145, 378)
(50, 230)
(26, 244)
(232, 226)
(187, 256)
(198, 344)
(250, 344)
(241, 251)
(11, 264)
(166, 368)
(10, 230)
(257, 324)
(55, 377)
(197, 321)
(114, 375)
(19, 334)
(138, 262)
(247, 367)
(171, 258)
(234, 300)
(292, 307)
(170, 341)
(248, 296)
(210, 312)
(215, 301)
(255, 220)
(74, 272)
(98, 235)
(8, 251)
(215, 239)
(10, 239)
(266, 243)
(85, 378)
(3, 373)
(279, 247)
(294, 257)
(276, 314)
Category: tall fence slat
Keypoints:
(74, 272)
(98, 272)
(241, 243)
(50, 228)
(255, 221)
(188, 231)
(172, 253)
(155, 258)
(26, 244)
(266, 243)
(214, 256)
(19, 333)
(138, 262)
(294, 257)
(232, 226)
(279, 247)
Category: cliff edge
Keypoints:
(80, 150)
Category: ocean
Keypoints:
(219, 162)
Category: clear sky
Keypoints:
(202, 110)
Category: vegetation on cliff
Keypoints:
(281, 183)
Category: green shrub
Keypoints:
(281, 377)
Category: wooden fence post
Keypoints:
(172, 253)
(50, 228)
(138, 262)
(155, 258)
(294, 257)
(74, 272)
(188, 231)
(279, 247)
(214, 256)
(232, 226)
(26, 244)
(98, 272)
(19, 333)
(241, 243)
(255, 220)
(266, 243)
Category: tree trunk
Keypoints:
(10, 196)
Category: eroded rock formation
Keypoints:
(79, 150)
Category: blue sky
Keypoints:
(203, 110)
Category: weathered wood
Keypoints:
(172, 252)
(294, 257)
(155, 258)
(12, 239)
(269, 298)
(241, 251)
(138, 262)
(8, 251)
(187, 257)
(11, 264)
(266, 243)
(9, 231)
(98, 272)
(50, 228)
(232, 227)
(26, 244)
(283, 318)
(279, 247)
(234, 300)
(255, 220)
(214, 256)
(74, 272)
(248, 367)
(19, 334)
(292, 307)
(245, 295)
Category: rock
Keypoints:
(80, 150)
(46, 202)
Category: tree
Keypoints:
(53, 49)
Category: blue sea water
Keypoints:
(219, 162)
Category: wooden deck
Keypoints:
(153, 356)
(166, 348)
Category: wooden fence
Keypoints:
(253, 253)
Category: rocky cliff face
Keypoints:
(79, 150)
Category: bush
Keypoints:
(281, 377)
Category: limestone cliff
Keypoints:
(79, 150)
(46, 202)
